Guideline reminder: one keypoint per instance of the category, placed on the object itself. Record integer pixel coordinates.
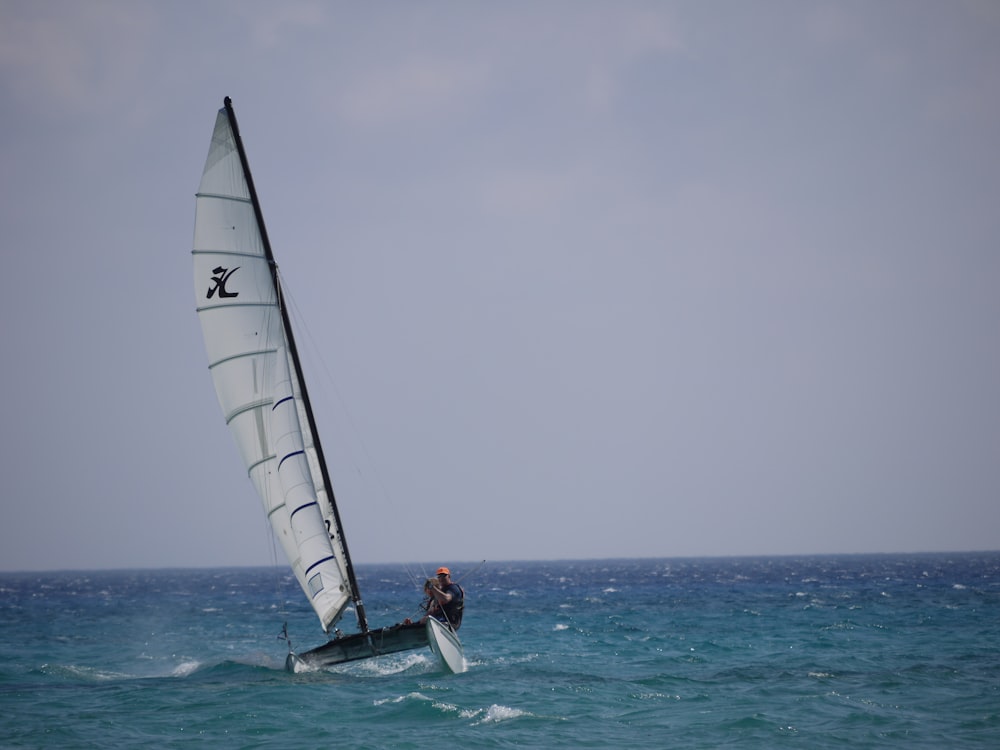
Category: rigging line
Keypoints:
(413, 579)
(422, 609)
(471, 572)
(302, 326)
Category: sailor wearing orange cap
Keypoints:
(447, 599)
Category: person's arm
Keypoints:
(440, 596)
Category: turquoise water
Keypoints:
(814, 652)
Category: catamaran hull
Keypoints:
(360, 646)
(442, 640)
(446, 646)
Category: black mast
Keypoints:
(359, 606)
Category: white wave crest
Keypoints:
(185, 668)
(495, 714)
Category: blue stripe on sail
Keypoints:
(293, 453)
(279, 403)
(317, 563)
(302, 507)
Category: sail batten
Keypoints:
(217, 196)
(208, 308)
(252, 353)
(234, 253)
(318, 563)
(275, 510)
(247, 408)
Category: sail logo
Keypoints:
(221, 277)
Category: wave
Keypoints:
(420, 702)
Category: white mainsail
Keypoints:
(256, 380)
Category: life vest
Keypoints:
(454, 609)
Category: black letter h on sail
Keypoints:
(220, 279)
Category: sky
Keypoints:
(573, 279)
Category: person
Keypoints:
(447, 599)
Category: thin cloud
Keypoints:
(273, 24)
(410, 90)
(73, 58)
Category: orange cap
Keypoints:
(443, 571)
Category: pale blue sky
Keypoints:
(588, 279)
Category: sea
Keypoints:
(762, 652)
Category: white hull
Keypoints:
(445, 644)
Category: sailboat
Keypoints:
(255, 367)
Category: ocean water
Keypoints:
(806, 652)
